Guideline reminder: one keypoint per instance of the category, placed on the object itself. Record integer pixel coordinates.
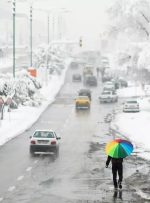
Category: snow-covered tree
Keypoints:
(129, 27)
(131, 17)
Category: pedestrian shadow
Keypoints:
(117, 195)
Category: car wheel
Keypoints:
(76, 107)
(56, 152)
(31, 152)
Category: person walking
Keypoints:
(117, 168)
(116, 151)
(97, 71)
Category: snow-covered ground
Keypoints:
(134, 91)
(19, 120)
(135, 126)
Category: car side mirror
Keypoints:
(58, 138)
(30, 136)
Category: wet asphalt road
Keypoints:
(78, 175)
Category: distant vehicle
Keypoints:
(109, 86)
(108, 96)
(74, 65)
(44, 141)
(85, 92)
(76, 78)
(90, 80)
(131, 106)
(123, 83)
(87, 70)
(82, 102)
(116, 83)
(106, 78)
(109, 83)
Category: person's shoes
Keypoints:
(119, 184)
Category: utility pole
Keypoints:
(31, 36)
(14, 37)
(53, 25)
(48, 29)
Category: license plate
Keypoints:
(42, 141)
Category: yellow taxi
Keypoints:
(82, 102)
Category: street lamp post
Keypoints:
(48, 29)
(31, 36)
(14, 37)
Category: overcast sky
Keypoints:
(86, 18)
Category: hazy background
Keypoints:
(86, 18)
(82, 18)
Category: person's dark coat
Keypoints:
(117, 167)
(114, 161)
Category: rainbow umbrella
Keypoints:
(119, 148)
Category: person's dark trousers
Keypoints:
(117, 168)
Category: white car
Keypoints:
(108, 96)
(131, 106)
(44, 141)
(109, 86)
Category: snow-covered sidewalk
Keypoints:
(17, 121)
(135, 126)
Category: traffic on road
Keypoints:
(77, 173)
(74, 101)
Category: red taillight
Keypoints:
(53, 142)
(32, 141)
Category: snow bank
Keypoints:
(17, 121)
(135, 91)
(135, 126)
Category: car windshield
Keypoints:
(108, 88)
(83, 98)
(44, 134)
(104, 93)
(91, 78)
(84, 92)
(132, 102)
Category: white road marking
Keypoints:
(29, 169)
(1, 199)
(10, 189)
(20, 178)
